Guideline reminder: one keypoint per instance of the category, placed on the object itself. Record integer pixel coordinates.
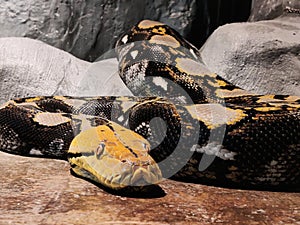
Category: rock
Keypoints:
(42, 191)
(270, 9)
(30, 67)
(262, 56)
(102, 79)
(87, 29)
(266, 9)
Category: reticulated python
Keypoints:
(200, 128)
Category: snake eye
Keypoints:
(100, 149)
(145, 146)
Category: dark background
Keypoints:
(211, 14)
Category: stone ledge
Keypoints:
(42, 191)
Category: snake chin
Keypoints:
(136, 176)
(133, 177)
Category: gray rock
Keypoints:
(262, 56)
(30, 67)
(102, 79)
(266, 9)
(270, 9)
(87, 29)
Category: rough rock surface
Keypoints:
(87, 29)
(270, 9)
(30, 67)
(266, 9)
(42, 191)
(262, 56)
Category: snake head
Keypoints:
(113, 156)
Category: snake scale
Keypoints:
(183, 122)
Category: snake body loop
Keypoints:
(185, 122)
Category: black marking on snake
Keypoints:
(127, 147)
(75, 155)
(281, 97)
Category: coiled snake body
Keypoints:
(187, 123)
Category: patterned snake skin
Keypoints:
(184, 123)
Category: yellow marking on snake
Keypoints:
(60, 97)
(26, 104)
(232, 93)
(159, 30)
(267, 98)
(192, 67)
(291, 105)
(146, 24)
(266, 109)
(50, 119)
(33, 99)
(213, 83)
(116, 158)
(221, 83)
(215, 115)
(293, 98)
(290, 101)
(165, 40)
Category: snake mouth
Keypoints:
(120, 175)
(114, 157)
(136, 176)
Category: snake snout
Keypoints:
(136, 175)
(146, 175)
